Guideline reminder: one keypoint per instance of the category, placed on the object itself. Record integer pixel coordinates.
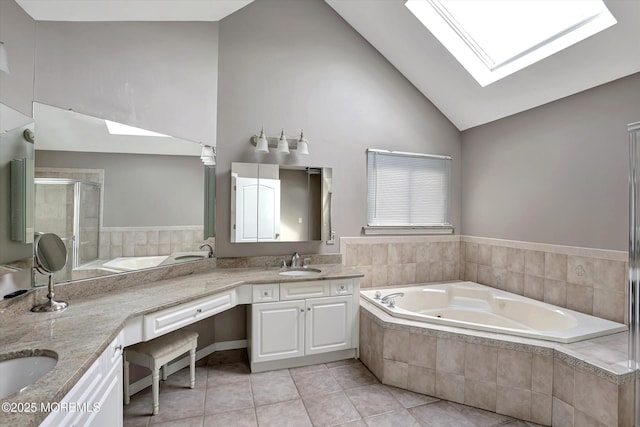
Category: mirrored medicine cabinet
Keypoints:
(278, 203)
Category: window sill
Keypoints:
(407, 230)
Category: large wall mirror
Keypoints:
(277, 203)
(120, 198)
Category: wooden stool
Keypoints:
(155, 354)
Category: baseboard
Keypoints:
(183, 362)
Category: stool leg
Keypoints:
(164, 372)
(192, 367)
(125, 381)
(155, 388)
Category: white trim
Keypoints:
(407, 230)
(183, 362)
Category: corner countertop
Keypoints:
(80, 333)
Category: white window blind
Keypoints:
(405, 189)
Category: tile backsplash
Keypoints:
(148, 241)
(590, 281)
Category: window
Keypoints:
(407, 193)
(495, 38)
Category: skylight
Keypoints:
(495, 38)
(120, 129)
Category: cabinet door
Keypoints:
(328, 324)
(277, 330)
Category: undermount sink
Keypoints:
(305, 271)
(19, 371)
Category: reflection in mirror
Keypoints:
(120, 200)
(50, 257)
(271, 203)
(16, 254)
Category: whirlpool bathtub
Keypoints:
(474, 306)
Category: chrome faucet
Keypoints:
(389, 299)
(294, 260)
(207, 245)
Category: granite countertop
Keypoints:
(80, 333)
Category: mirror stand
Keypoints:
(50, 305)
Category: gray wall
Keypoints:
(160, 76)
(554, 174)
(17, 31)
(296, 64)
(141, 190)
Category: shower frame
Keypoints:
(634, 260)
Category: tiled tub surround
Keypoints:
(580, 384)
(591, 281)
(118, 242)
(96, 315)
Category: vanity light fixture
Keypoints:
(4, 62)
(281, 143)
(208, 155)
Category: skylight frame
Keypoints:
(434, 15)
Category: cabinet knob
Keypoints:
(117, 348)
(199, 310)
(266, 293)
(309, 309)
(342, 287)
(302, 310)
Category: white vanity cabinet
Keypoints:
(96, 399)
(313, 322)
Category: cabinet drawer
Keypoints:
(168, 320)
(266, 293)
(341, 287)
(113, 353)
(301, 290)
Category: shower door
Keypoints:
(634, 259)
(71, 209)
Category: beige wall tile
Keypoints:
(515, 282)
(514, 368)
(394, 254)
(555, 292)
(580, 298)
(379, 253)
(422, 253)
(351, 257)
(563, 381)
(395, 345)
(450, 387)
(471, 252)
(422, 351)
(435, 252)
(367, 280)
(471, 271)
(363, 253)
(484, 254)
(534, 263)
(515, 260)
(596, 397)
(534, 287)
(583, 420)
(580, 270)
(562, 414)
(408, 273)
(450, 270)
(485, 275)
(500, 278)
(395, 373)
(481, 362)
(609, 305)
(422, 380)
(435, 272)
(541, 407)
(625, 404)
(514, 402)
(394, 274)
(610, 275)
(480, 394)
(409, 253)
(450, 251)
(450, 356)
(542, 374)
(499, 257)
(379, 275)
(422, 272)
(555, 266)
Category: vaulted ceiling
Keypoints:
(396, 33)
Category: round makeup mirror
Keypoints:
(50, 255)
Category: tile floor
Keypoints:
(341, 393)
